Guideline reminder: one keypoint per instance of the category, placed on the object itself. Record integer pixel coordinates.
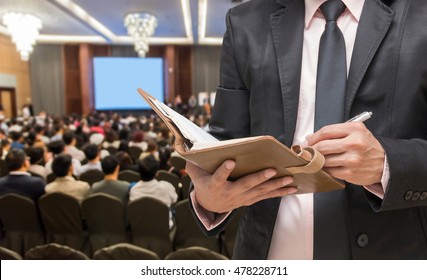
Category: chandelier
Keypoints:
(141, 27)
(24, 29)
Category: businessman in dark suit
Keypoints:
(268, 86)
(19, 180)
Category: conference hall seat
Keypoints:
(9, 255)
(105, 220)
(21, 223)
(129, 176)
(124, 251)
(149, 223)
(53, 251)
(62, 218)
(195, 253)
(92, 176)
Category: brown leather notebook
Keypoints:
(251, 154)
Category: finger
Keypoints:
(329, 147)
(334, 131)
(269, 186)
(345, 160)
(280, 192)
(223, 172)
(252, 180)
(193, 170)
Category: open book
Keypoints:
(251, 154)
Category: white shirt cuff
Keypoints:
(210, 220)
(379, 189)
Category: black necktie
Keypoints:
(331, 69)
(331, 235)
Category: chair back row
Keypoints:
(101, 221)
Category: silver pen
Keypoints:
(361, 117)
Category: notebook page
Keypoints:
(189, 130)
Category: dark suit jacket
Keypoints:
(32, 187)
(258, 94)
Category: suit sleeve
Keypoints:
(408, 175)
(230, 116)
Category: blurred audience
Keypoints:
(111, 185)
(65, 183)
(19, 180)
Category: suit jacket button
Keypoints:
(423, 196)
(416, 196)
(408, 195)
(362, 240)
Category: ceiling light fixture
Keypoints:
(24, 29)
(141, 27)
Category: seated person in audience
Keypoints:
(111, 139)
(17, 140)
(57, 148)
(70, 141)
(165, 155)
(138, 141)
(124, 146)
(58, 131)
(37, 158)
(126, 162)
(98, 139)
(152, 150)
(19, 180)
(151, 187)
(111, 185)
(94, 162)
(40, 134)
(5, 147)
(63, 169)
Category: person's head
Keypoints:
(152, 146)
(62, 165)
(69, 138)
(124, 159)
(124, 134)
(110, 165)
(148, 168)
(138, 136)
(56, 147)
(96, 138)
(91, 151)
(39, 129)
(58, 129)
(16, 159)
(36, 155)
(15, 136)
(5, 144)
(164, 157)
(124, 146)
(111, 136)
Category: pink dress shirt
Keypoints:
(293, 232)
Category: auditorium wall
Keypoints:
(58, 78)
(12, 66)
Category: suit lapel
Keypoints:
(374, 23)
(287, 27)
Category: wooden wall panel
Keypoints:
(72, 79)
(183, 72)
(11, 63)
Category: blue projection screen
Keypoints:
(116, 81)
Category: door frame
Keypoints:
(13, 98)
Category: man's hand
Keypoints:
(351, 152)
(216, 194)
